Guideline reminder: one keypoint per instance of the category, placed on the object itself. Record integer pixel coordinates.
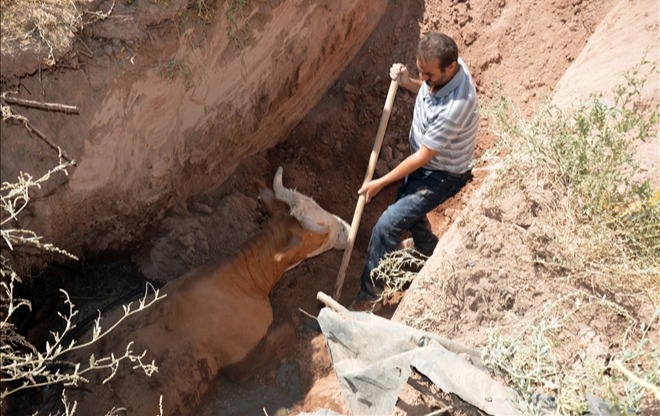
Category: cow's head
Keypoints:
(320, 230)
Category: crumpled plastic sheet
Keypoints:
(320, 412)
(373, 358)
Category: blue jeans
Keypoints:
(420, 193)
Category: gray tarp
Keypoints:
(374, 357)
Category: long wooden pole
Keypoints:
(373, 159)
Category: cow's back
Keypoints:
(191, 334)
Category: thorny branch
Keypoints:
(35, 369)
(15, 196)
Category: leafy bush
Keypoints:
(606, 216)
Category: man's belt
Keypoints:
(465, 175)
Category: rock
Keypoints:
(144, 142)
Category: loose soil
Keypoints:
(517, 49)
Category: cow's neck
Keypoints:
(259, 272)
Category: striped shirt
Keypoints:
(447, 122)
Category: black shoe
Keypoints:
(368, 305)
(363, 295)
(375, 293)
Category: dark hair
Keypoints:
(437, 45)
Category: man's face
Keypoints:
(430, 72)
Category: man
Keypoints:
(442, 139)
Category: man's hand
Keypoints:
(371, 189)
(403, 169)
(399, 73)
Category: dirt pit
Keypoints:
(517, 49)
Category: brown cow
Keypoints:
(214, 317)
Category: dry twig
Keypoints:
(8, 113)
(41, 105)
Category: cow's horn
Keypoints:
(282, 193)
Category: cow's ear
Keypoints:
(310, 225)
(291, 247)
(268, 198)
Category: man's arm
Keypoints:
(399, 72)
(406, 167)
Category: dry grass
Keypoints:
(43, 26)
(560, 353)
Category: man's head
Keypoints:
(437, 59)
